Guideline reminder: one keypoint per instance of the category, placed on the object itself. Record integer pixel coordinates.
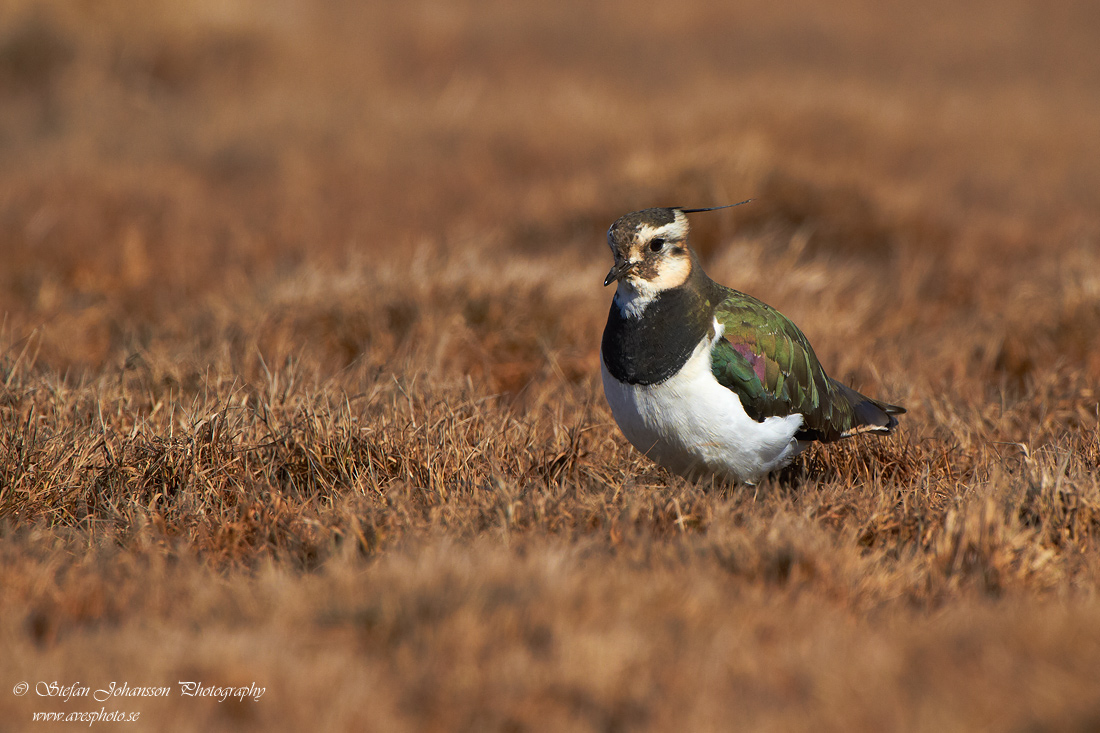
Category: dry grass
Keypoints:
(299, 373)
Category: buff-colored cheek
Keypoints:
(672, 273)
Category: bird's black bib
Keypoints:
(654, 346)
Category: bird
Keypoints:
(708, 381)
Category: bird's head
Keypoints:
(650, 249)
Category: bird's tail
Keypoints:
(869, 415)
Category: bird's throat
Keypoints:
(632, 299)
(651, 345)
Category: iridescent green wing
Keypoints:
(769, 363)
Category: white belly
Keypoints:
(694, 426)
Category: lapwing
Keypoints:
(706, 380)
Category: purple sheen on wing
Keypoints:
(753, 358)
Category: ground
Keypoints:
(299, 375)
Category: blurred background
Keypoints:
(155, 153)
(300, 310)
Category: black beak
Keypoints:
(618, 272)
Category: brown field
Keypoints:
(299, 379)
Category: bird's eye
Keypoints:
(656, 245)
